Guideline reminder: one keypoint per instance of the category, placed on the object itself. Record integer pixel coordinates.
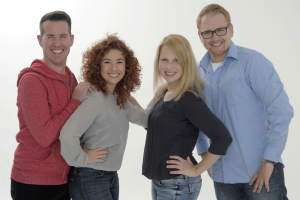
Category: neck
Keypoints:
(59, 69)
(172, 86)
(217, 59)
(110, 89)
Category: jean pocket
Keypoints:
(195, 187)
(170, 183)
(91, 175)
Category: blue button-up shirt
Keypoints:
(246, 94)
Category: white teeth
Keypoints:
(113, 75)
(57, 51)
(215, 44)
(170, 73)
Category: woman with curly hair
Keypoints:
(102, 120)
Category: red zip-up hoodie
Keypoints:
(44, 105)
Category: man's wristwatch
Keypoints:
(267, 161)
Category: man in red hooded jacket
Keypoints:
(48, 94)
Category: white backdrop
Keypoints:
(270, 27)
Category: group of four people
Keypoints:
(233, 96)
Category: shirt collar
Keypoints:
(232, 52)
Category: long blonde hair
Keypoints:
(190, 80)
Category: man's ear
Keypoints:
(39, 39)
(72, 40)
(231, 29)
(200, 36)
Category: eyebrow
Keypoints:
(213, 30)
(59, 35)
(109, 59)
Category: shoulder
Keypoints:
(32, 80)
(96, 97)
(254, 60)
(251, 54)
(189, 99)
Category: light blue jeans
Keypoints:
(179, 188)
(244, 191)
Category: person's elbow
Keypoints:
(227, 139)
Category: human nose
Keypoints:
(214, 35)
(113, 66)
(169, 65)
(57, 42)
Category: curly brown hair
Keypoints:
(91, 69)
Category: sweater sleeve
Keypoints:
(136, 115)
(196, 111)
(33, 101)
(74, 128)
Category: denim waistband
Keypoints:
(86, 169)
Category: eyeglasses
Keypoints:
(218, 32)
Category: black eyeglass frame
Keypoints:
(215, 31)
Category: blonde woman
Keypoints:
(174, 123)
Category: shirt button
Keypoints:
(214, 98)
(215, 83)
(217, 114)
(224, 159)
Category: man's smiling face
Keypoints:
(56, 42)
(217, 45)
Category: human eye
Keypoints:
(175, 60)
(163, 59)
(63, 36)
(50, 37)
(221, 30)
(206, 33)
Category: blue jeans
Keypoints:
(244, 191)
(179, 188)
(90, 184)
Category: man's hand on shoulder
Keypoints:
(80, 90)
(262, 177)
(92, 88)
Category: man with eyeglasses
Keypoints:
(245, 92)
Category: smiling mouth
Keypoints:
(114, 75)
(57, 51)
(216, 45)
(170, 74)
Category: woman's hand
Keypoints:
(95, 155)
(185, 167)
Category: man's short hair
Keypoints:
(212, 8)
(55, 16)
